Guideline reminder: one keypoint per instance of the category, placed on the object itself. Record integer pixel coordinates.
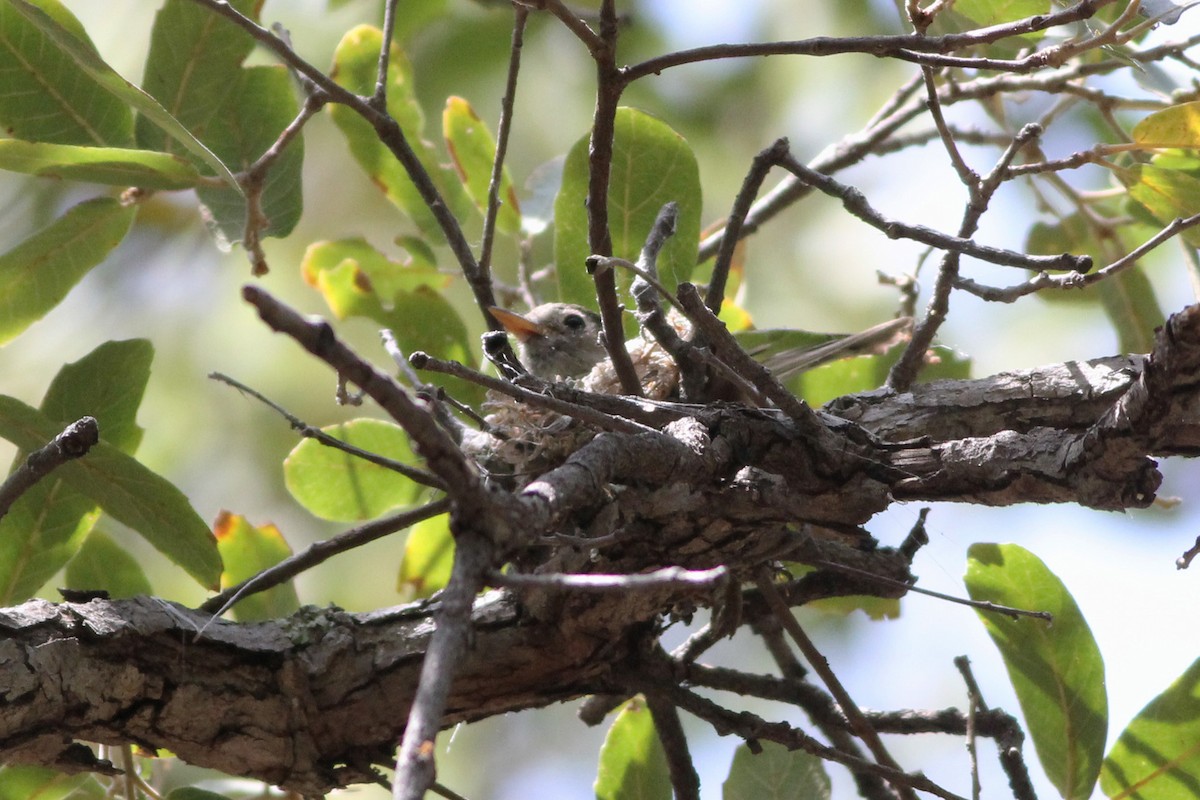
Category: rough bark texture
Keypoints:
(312, 702)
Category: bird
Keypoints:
(564, 340)
(555, 340)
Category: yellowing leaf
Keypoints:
(354, 67)
(1177, 126)
(1167, 194)
(247, 550)
(473, 151)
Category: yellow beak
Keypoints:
(517, 325)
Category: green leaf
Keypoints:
(632, 762)
(247, 550)
(194, 62)
(36, 541)
(47, 525)
(102, 564)
(108, 384)
(260, 104)
(473, 152)
(1129, 301)
(986, 13)
(652, 165)
(335, 485)
(1167, 194)
(374, 271)
(1055, 668)
(1070, 234)
(1157, 757)
(354, 67)
(37, 274)
(1177, 126)
(43, 783)
(63, 35)
(775, 774)
(46, 95)
(1127, 298)
(864, 373)
(358, 281)
(127, 491)
(193, 793)
(428, 557)
(113, 166)
(845, 376)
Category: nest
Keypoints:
(526, 441)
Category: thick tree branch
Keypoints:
(297, 702)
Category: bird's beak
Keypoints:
(517, 325)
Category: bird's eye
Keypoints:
(575, 322)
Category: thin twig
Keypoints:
(759, 167)
(445, 791)
(697, 644)
(503, 128)
(817, 661)
(966, 175)
(854, 202)
(379, 96)
(319, 553)
(667, 577)
(918, 48)
(457, 472)
(597, 264)
(307, 431)
(684, 780)
(73, 442)
(1043, 281)
(974, 704)
(1185, 560)
(254, 180)
(473, 555)
(791, 687)
(584, 414)
(982, 605)
(573, 22)
(728, 350)
(752, 727)
(600, 155)
(647, 292)
(1000, 726)
(904, 371)
(880, 134)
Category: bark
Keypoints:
(313, 702)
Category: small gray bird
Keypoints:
(555, 339)
(563, 340)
